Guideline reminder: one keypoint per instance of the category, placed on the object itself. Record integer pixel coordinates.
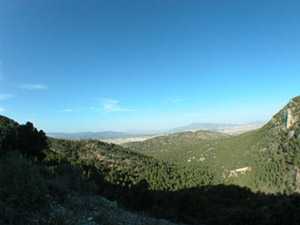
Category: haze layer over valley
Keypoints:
(125, 137)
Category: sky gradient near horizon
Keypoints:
(146, 65)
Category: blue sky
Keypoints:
(145, 65)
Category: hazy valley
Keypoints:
(125, 137)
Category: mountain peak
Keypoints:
(292, 113)
(287, 118)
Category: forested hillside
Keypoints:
(123, 167)
(266, 159)
(185, 178)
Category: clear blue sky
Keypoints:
(71, 65)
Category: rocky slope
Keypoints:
(95, 210)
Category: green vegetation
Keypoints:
(269, 156)
(77, 167)
(125, 168)
(185, 177)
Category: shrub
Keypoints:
(30, 141)
(22, 188)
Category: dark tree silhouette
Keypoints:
(8, 134)
(31, 141)
(24, 138)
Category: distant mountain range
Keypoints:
(93, 135)
(123, 136)
(220, 127)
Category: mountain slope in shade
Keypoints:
(6, 124)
